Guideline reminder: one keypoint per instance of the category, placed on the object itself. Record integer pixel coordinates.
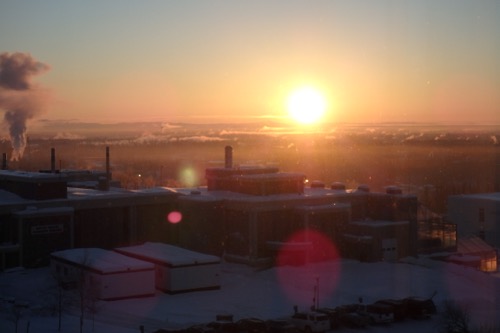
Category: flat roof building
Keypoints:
(241, 215)
(177, 270)
(41, 213)
(103, 274)
(476, 215)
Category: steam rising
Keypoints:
(19, 98)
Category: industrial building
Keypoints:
(248, 213)
(111, 275)
(177, 270)
(474, 252)
(47, 211)
(477, 219)
(476, 215)
(244, 214)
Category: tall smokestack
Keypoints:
(4, 161)
(52, 160)
(19, 98)
(103, 182)
(108, 172)
(228, 157)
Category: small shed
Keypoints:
(178, 270)
(473, 246)
(106, 274)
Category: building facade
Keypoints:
(31, 227)
(244, 214)
(248, 213)
(476, 215)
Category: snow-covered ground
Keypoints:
(270, 293)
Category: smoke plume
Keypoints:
(19, 98)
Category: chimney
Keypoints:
(103, 182)
(108, 172)
(229, 157)
(4, 161)
(52, 160)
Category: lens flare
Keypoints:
(174, 217)
(188, 176)
(307, 263)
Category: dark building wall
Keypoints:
(380, 207)
(43, 235)
(250, 232)
(237, 232)
(202, 226)
(124, 225)
(9, 232)
(368, 245)
(101, 227)
(359, 205)
(153, 224)
(247, 227)
(29, 228)
(33, 190)
(269, 187)
(277, 225)
(388, 207)
(331, 224)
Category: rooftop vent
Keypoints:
(363, 188)
(338, 186)
(393, 190)
(317, 184)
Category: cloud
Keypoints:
(68, 136)
(19, 98)
(165, 127)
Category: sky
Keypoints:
(235, 61)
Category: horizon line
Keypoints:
(263, 121)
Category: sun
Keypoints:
(306, 105)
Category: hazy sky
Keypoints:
(217, 61)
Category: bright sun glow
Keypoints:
(306, 105)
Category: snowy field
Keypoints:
(266, 294)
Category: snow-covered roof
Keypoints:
(19, 175)
(103, 261)
(379, 223)
(168, 254)
(74, 192)
(464, 258)
(494, 196)
(323, 208)
(202, 194)
(7, 197)
(272, 176)
(35, 211)
(473, 245)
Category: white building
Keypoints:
(108, 274)
(178, 270)
(476, 214)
